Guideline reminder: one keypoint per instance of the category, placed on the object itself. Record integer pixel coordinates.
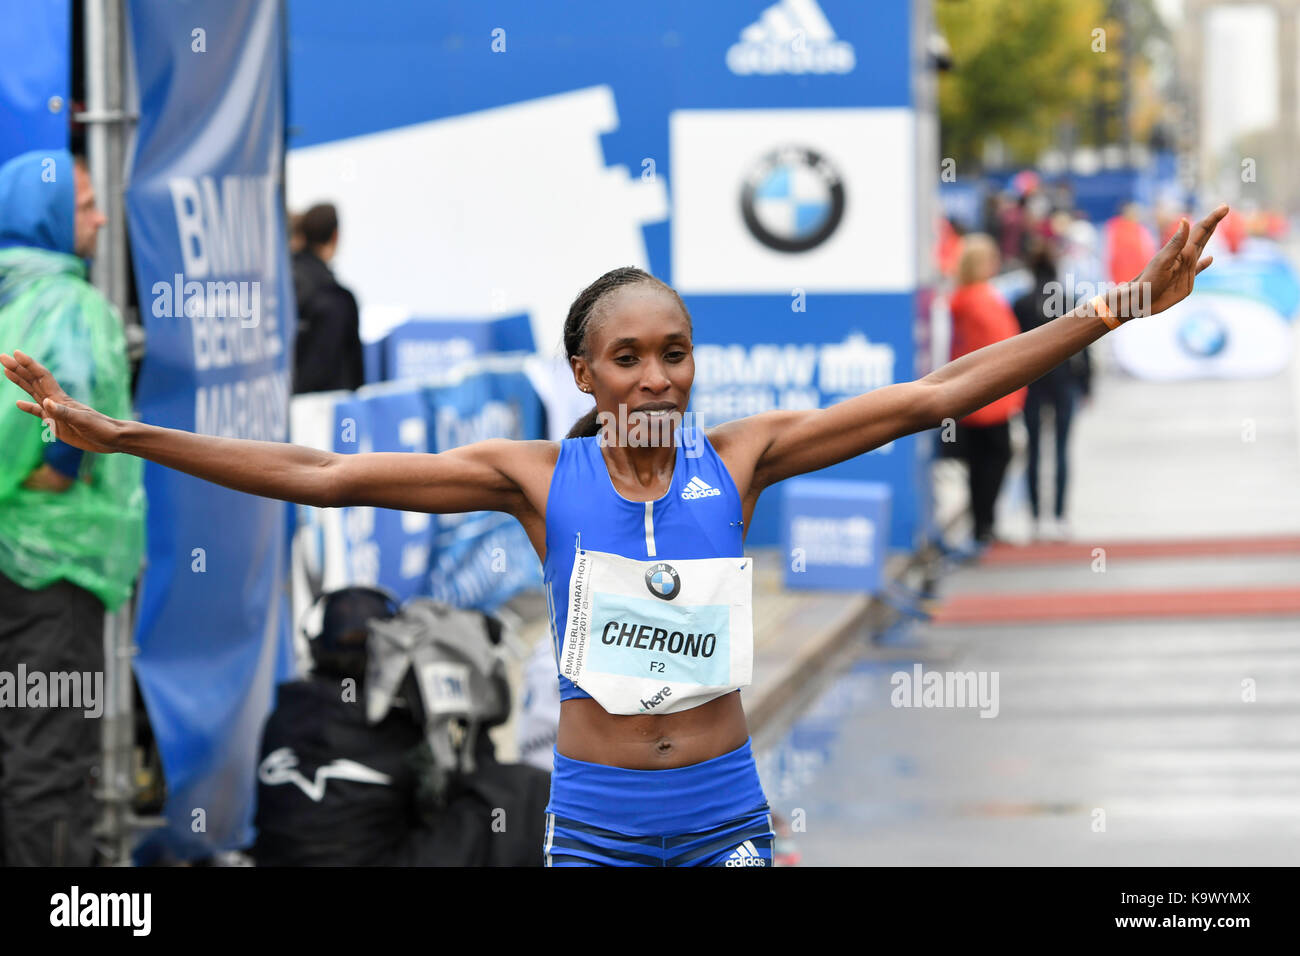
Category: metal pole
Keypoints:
(116, 788)
(106, 121)
(106, 118)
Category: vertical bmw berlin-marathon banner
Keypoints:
(758, 155)
(212, 274)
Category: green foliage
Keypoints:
(1020, 69)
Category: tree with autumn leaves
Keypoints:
(1042, 73)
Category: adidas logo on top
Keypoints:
(698, 488)
(792, 36)
(745, 855)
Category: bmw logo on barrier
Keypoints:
(792, 200)
(663, 582)
(1203, 334)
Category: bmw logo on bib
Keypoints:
(663, 582)
(793, 200)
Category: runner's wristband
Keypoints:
(1099, 306)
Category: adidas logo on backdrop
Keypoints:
(792, 36)
(698, 488)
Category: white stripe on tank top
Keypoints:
(650, 528)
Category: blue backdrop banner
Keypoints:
(388, 548)
(474, 560)
(211, 265)
(420, 348)
(481, 558)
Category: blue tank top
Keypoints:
(699, 517)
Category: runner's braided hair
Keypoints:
(579, 322)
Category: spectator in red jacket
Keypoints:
(948, 248)
(1129, 243)
(980, 317)
(1235, 231)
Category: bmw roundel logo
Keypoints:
(792, 200)
(1203, 334)
(663, 582)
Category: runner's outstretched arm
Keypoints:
(469, 478)
(794, 443)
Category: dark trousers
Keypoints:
(987, 450)
(48, 755)
(1061, 402)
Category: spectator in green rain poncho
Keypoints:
(71, 523)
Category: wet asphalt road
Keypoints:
(1111, 745)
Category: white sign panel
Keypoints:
(775, 200)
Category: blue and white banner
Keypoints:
(387, 548)
(208, 237)
(1261, 270)
(474, 560)
(481, 558)
(420, 348)
(1208, 335)
(760, 156)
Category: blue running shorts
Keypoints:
(712, 813)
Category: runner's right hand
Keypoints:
(74, 423)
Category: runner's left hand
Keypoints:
(1173, 270)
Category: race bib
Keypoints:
(658, 636)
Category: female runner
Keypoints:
(640, 540)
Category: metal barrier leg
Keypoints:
(116, 787)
